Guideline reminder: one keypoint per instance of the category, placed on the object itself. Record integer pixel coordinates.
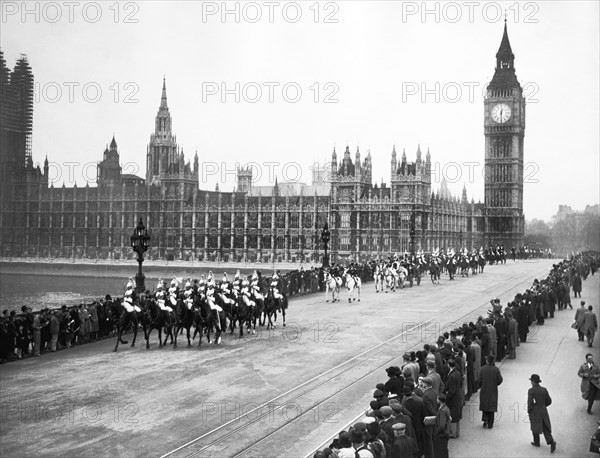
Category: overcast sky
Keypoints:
(370, 74)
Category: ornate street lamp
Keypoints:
(140, 243)
(325, 237)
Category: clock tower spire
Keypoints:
(504, 130)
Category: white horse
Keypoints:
(378, 277)
(332, 284)
(353, 285)
(402, 274)
(390, 279)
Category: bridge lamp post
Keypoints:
(140, 241)
(325, 238)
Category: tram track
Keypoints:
(268, 420)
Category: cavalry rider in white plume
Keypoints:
(255, 287)
(237, 284)
(161, 297)
(275, 286)
(246, 293)
(210, 293)
(128, 297)
(173, 291)
(225, 291)
(188, 294)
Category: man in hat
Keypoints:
(454, 397)
(538, 400)
(590, 381)
(590, 325)
(579, 314)
(418, 412)
(442, 428)
(357, 437)
(404, 446)
(401, 415)
(489, 379)
(387, 422)
(429, 396)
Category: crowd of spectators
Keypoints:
(419, 407)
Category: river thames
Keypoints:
(41, 285)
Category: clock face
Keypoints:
(501, 113)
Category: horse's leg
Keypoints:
(135, 331)
(283, 315)
(147, 335)
(359, 286)
(119, 331)
(187, 331)
(177, 330)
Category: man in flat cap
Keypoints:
(401, 415)
(404, 446)
(538, 400)
(414, 404)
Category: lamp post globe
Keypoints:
(140, 242)
(325, 238)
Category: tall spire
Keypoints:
(163, 98)
(504, 75)
(505, 57)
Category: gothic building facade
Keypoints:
(273, 223)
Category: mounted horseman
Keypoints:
(257, 296)
(158, 315)
(184, 312)
(217, 314)
(275, 300)
(129, 316)
(333, 285)
(226, 300)
(353, 285)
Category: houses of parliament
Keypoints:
(257, 223)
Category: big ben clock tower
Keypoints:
(504, 129)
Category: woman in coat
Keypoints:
(93, 321)
(489, 379)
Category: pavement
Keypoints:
(312, 378)
(554, 353)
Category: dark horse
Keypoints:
(215, 319)
(272, 306)
(125, 320)
(239, 314)
(434, 272)
(184, 318)
(153, 317)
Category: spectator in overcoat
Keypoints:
(579, 314)
(590, 325)
(489, 380)
(416, 407)
(538, 400)
(94, 327)
(54, 330)
(590, 381)
(454, 397)
(512, 338)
